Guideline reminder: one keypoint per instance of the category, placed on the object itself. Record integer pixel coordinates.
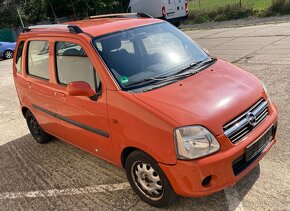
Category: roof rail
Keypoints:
(122, 15)
(71, 28)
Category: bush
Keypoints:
(228, 12)
(279, 7)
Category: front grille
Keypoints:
(242, 125)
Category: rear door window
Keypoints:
(73, 64)
(19, 57)
(38, 59)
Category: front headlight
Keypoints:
(266, 90)
(194, 142)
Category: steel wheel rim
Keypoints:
(35, 128)
(147, 180)
(8, 54)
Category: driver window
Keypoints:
(73, 64)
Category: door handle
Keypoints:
(60, 94)
(28, 84)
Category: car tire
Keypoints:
(36, 131)
(148, 180)
(8, 54)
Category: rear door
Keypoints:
(38, 82)
(20, 82)
(82, 121)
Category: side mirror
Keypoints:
(81, 88)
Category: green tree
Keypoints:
(33, 11)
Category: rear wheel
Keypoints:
(36, 131)
(148, 180)
(8, 54)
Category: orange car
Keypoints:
(139, 93)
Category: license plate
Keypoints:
(256, 147)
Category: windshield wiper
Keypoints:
(161, 78)
(145, 80)
(195, 65)
(158, 80)
(192, 65)
(175, 76)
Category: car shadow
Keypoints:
(29, 166)
(55, 164)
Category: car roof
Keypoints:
(101, 26)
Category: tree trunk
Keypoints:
(74, 9)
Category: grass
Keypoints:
(228, 12)
(220, 10)
(256, 5)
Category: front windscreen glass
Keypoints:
(146, 52)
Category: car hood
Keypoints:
(210, 98)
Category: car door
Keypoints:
(20, 81)
(1, 49)
(38, 82)
(82, 121)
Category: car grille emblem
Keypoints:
(251, 118)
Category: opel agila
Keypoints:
(139, 93)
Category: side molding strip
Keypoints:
(73, 122)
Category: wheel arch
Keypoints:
(8, 49)
(24, 110)
(127, 151)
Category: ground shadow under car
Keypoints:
(29, 166)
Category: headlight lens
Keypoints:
(194, 142)
(266, 90)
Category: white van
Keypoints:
(173, 11)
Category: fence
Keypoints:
(8, 35)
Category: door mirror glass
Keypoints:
(80, 88)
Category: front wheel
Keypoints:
(148, 180)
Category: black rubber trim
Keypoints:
(73, 122)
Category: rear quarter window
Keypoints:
(38, 59)
(18, 60)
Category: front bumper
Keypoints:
(186, 176)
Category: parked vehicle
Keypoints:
(7, 49)
(174, 11)
(142, 95)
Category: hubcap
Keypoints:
(8, 54)
(147, 180)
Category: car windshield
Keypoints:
(147, 52)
